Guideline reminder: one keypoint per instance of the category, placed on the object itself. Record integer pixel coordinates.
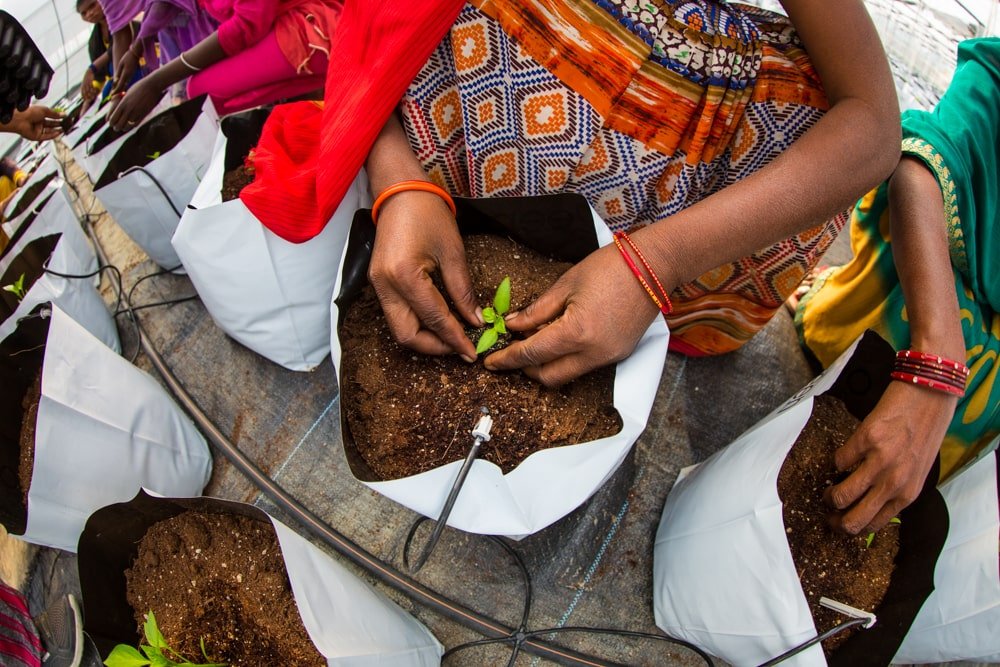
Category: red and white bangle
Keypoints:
(659, 297)
(931, 371)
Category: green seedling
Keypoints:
(494, 316)
(16, 288)
(157, 653)
(153, 156)
(871, 536)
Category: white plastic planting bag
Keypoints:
(723, 575)
(58, 244)
(550, 483)
(104, 429)
(961, 619)
(350, 623)
(36, 193)
(155, 172)
(94, 147)
(267, 293)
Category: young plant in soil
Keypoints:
(407, 413)
(155, 652)
(854, 570)
(219, 579)
(494, 316)
(16, 288)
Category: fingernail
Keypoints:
(479, 316)
(468, 359)
(516, 313)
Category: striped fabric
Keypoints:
(19, 643)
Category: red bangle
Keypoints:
(918, 357)
(404, 186)
(936, 371)
(665, 305)
(927, 382)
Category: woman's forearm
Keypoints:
(205, 53)
(920, 252)
(852, 148)
(391, 158)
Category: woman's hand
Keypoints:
(136, 103)
(125, 70)
(36, 123)
(87, 90)
(416, 236)
(592, 316)
(893, 449)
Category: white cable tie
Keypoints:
(848, 610)
(482, 428)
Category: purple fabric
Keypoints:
(179, 24)
(120, 12)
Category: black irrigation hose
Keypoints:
(156, 182)
(815, 640)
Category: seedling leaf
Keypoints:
(154, 155)
(487, 340)
(869, 540)
(895, 519)
(126, 656)
(152, 631)
(489, 315)
(501, 301)
(500, 326)
(16, 288)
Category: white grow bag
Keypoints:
(961, 619)
(96, 143)
(550, 483)
(30, 199)
(104, 429)
(723, 575)
(267, 293)
(146, 194)
(350, 623)
(72, 255)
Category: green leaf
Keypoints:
(500, 326)
(153, 634)
(487, 340)
(869, 540)
(895, 519)
(126, 656)
(154, 155)
(502, 299)
(489, 315)
(13, 289)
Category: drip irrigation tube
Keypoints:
(343, 545)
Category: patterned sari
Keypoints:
(960, 143)
(644, 107)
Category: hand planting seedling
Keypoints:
(16, 288)
(156, 653)
(871, 536)
(494, 316)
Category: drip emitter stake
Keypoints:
(480, 434)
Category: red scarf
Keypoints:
(306, 160)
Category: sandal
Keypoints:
(792, 302)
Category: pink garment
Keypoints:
(303, 27)
(255, 76)
(120, 12)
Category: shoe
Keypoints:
(61, 630)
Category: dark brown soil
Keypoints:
(830, 564)
(27, 460)
(234, 181)
(219, 577)
(409, 413)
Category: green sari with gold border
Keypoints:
(959, 141)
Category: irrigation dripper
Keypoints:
(480, 434)
(865, 619)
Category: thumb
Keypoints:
(455, 274)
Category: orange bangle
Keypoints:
(404, 186)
